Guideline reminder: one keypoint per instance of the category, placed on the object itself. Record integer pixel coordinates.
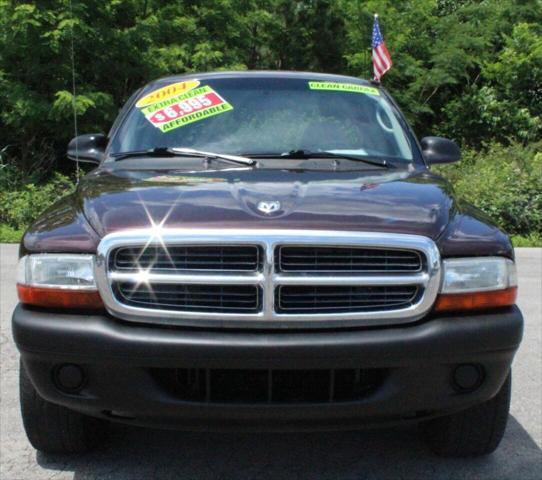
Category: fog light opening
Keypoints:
(467, 377)
(69, 378)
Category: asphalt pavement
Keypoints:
(142, 454)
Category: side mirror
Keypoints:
(440, 150)
(88, 148)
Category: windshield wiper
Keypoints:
(323, 154)
(183, 152)
(326, 154)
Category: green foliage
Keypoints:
(504, 182)
(531, 240)
(509, 104)
(22, 203)
(10, 235)
(467, 69)
(471, 70)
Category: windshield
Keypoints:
(244, 116)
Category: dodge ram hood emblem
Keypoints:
(269, 207)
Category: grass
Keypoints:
(531, 240)
(10, 235)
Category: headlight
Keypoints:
(478, 282)
(478, 274)
(58, 280)
(58, 271)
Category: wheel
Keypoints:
(52, 428)
(472, 432)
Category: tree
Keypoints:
(470, 69)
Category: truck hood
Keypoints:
(388, 201)
(416, 202)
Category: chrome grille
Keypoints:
(201, 298)
(311, 299)
(353, 288)
(189, 257)
(347, 259)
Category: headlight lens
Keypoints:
(478, 274)
(477, 283)
(58, 281)
(58, 271)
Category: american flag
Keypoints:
(381, 57)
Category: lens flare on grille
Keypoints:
(156, 238)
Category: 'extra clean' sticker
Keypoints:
(179, 110)
(344, 87)
(166, 92)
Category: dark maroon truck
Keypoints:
(265, 251)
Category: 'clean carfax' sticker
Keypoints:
(344, 87)
(171, 90)
(180, 110)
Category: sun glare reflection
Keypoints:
(156, 238)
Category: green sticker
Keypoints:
(343, 87)
(190, 107)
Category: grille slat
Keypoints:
(350, 299)
(340, 295)
(177, 299)
(186, 258)
(207, 298)
(347, 259)
(303, 299)
(199, 294)
(339, 265)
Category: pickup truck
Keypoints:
(265, 251)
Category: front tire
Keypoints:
(52, 428)
(472, 432)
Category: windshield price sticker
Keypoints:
(195, 105)
(343, 87)
(166, 92)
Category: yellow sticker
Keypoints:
(344, 87)
(167, 92)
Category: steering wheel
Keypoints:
(380, 120)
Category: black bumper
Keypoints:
(119, 360)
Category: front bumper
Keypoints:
(118, 359)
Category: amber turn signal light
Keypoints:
(476, 300)
(58, 280)
(59, 297)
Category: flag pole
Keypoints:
(374, 80)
